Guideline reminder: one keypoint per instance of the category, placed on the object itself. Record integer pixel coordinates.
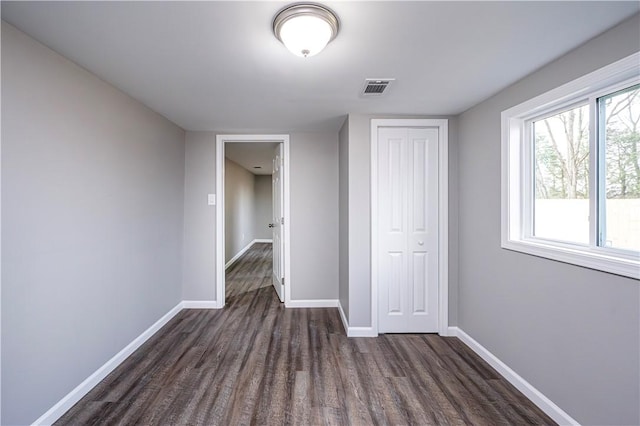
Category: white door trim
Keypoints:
(443, 214)
(220, 273)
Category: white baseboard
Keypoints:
(544, 403)
(244, 249)
(200, 304)
(343, 317)
(55, 412)
(355, 331)
(237, 255)
(361, 332)
(318, 303)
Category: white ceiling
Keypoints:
(217, 65)
(252, 154)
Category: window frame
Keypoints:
(518, 192)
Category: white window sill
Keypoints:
(589, 258)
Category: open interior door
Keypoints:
(277, 222)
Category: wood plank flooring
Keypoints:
(255, 362)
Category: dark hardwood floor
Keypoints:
(255, 362)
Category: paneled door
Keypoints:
(408, 230)
(278, 222)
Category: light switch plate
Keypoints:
(211, 199)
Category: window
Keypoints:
(618, 117)
(571, 172)
(561, 170)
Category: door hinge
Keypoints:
(282, 221)
(283, 281)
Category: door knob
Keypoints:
(420, 243)
(271, 225)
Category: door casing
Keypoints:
(220, 220)
(443, 212)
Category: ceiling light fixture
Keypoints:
(305, 29)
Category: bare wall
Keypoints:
(91, 219)
(239, 208)
(343, 211)
(572, 332)
(314, 216)
(199, 254)
(263, 194)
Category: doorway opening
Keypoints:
(231, 241)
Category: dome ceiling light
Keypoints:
(305, 29)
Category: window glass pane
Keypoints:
(620, 124)
(561, 165)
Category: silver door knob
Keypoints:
(420, 243)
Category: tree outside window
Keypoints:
(562, 170)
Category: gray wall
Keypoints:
(454, 211)
(263, 206)
(199, 253)
(359, 223)
(314, 216)
(572, 332)
(239, 208)
(358, 175)
(343, 212)
(92, 224)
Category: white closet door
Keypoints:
(408, 230)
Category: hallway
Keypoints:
(251, 273)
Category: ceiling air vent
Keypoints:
(376, 86)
